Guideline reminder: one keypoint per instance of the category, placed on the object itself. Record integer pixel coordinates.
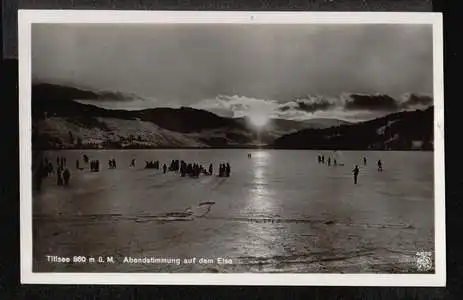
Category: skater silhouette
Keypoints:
(380, 166)
(66, 177)
(59, 177)
(356, 173)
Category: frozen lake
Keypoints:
(279, 211)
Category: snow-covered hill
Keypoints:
(59, 132)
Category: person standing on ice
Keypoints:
(211, 169)
(356, 173)
(222, 170)
(227, 170)
(364, 161)
(380, 166)
(58, 177)
(66, 176)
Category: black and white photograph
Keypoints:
(245, 144)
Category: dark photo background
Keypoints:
(10, 287)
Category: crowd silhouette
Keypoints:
(355, 171)
(152, 164)
(95, 166)
(46, 168)
(112, 164)
(190, 169)
(224, 170)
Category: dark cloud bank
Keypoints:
(352, 107)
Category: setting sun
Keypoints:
(259, 120)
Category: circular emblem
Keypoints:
(424, 261)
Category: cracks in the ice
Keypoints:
(203, 209)
(314, 257)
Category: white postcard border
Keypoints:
(27, 17)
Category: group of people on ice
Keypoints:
(95, 166)
(191, 169)
(356, 169)
(148, 164)
(224, 170)
(175, 165)
(194, 169)
(63, 175)
(112, 164)
(321, 160)
(45, 168)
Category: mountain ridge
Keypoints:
(61, 122)
(407, 130)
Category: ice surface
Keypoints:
(279, 211)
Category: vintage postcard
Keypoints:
(232, 148)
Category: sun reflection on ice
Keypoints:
(259, 199)
(262, 232)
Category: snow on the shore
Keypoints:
(125, 132)
(381, 130)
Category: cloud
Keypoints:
(385, 103)
(241, 106)
(416, 101)
(294, 114)
(370, 102)
(116, 96)
(48, 91)
(135, 104)
(310, 104)
(352, 107)
(238, 106)
(350, 115)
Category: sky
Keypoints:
(351, 72)
(10, 7)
